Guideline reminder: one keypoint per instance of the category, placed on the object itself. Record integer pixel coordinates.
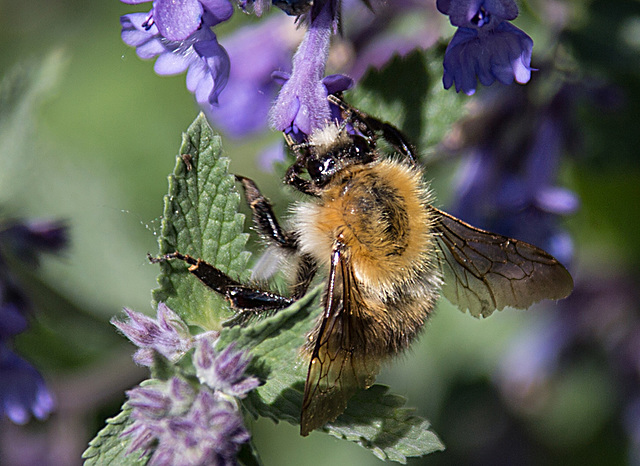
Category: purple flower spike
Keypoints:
(168, 335)
(302, 104)
(223, 371)
(486, 47)
(22, 389)
(190, 428)
(179, 33)
(255, 51)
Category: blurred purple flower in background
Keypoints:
(255, 52)
(22, 389)
(302, 104)
(180, 35)
(486, 47)
(600, 317)
(514, 148)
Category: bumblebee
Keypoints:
(370, 224)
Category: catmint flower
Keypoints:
(223, 371)
(257, 50)
(508, 182)
(181, 425)
(23, 391)
(179, 34)
(184, 426)
(486, 47)
(302, 106)
(167, 335)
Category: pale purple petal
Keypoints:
(217, 11)
(23, 392)
(177, 19)
(167, 334)
(216, 61)
(171, 63)
(557, 200)
(133, 33)
(502, 54)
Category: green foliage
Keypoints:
(109, 447)
(415, 102)
(200, 219)
(378, 420)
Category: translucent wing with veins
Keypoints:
(485, 271)
(340, 364)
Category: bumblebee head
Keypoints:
(333, 149)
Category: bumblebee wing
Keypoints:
(338, 366)
(485, 271)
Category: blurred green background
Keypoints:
(93, 142)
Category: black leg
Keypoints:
(263, 216)
(268, 226)
(240, 296)
(370, 125)
(293, 178)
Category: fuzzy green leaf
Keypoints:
(374, 418)
(200, 219)
(274, 344)
(378, 420)
(109, 448)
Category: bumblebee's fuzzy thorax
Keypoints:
(379, 212)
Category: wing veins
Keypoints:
(482, 263)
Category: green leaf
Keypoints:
(374, 418)
(275, 344)
(109, 448)
(408, 93)
(378, 420)
(200, 219)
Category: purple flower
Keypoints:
(486, 47)
(23, 391)
(223, 371)
(302, 106)
(167, 335)
(14, 307)
(27, 239)
(184, 426)
(255, 52)
(179, 34)
(508, 182)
